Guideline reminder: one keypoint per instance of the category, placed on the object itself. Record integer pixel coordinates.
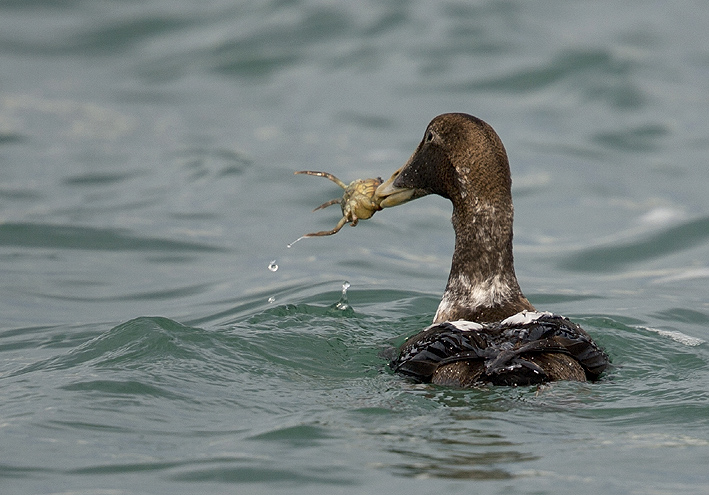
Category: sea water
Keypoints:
(147, 152)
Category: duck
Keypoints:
(485, 331)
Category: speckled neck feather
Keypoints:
(482, 285)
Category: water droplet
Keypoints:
(291, 244)
(343, 303)
(271, 299)
(273, 266)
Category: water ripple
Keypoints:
(665, 242)
(37, 235)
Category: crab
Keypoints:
(358, 202)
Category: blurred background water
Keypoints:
(147, 152)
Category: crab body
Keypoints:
(357, 203)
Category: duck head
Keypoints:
(460, 158)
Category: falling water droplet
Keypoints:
(291, 244)
(271, 299)
(273, 266)
(343, 303)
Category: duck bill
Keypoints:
(391, 193)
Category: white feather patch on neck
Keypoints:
(460, 292)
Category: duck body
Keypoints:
(485, 331)
(525, 349)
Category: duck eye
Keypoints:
(429, 137)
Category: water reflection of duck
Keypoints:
(485, 330)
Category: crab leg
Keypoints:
(337, 228)
(323, 174)
(335, 201)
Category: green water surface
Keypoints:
(147, 152)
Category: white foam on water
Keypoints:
(675, 335)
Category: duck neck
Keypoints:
(482, 285)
